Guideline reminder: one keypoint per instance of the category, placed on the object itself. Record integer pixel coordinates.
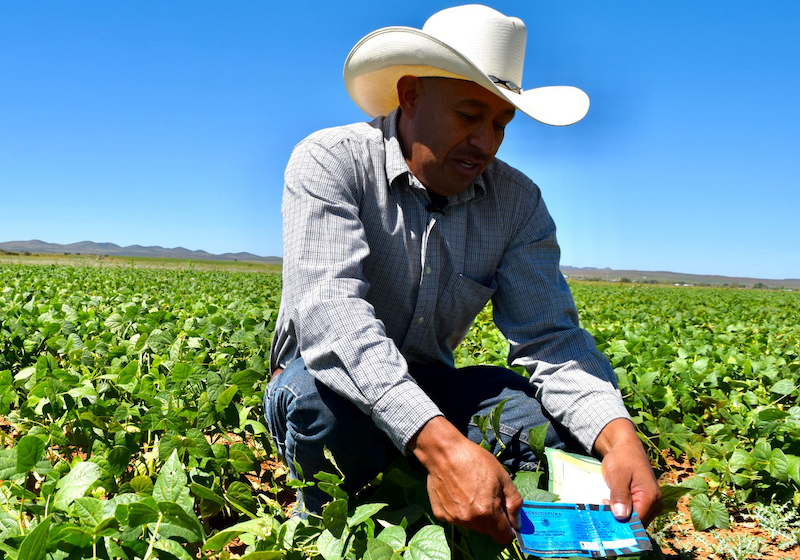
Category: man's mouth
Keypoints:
(471, 162)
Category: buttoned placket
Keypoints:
(419, 333)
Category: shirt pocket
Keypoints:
(458, 303)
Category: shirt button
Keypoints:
(428, 269)
(421, 320)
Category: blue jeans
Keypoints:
(304, 416)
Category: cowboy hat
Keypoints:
(474, 43)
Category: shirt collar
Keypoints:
(396, 165)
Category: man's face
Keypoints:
(450, 130)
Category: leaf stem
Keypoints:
(155, 534)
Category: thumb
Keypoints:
(512, 503)
(621, 503)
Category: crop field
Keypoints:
(131, 427)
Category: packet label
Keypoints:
(554, 529)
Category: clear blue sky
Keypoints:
(170, 123)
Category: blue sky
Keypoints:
(170, 123)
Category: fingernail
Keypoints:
(620, 510)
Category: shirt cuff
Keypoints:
(599, 411)
(402, 411)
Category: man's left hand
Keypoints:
(627, 471)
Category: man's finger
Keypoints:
(620, 496)
(621, 510)
(512, 505)
(499, 526)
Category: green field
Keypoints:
(75, 259)
(130, 399)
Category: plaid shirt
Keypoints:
(373, 280)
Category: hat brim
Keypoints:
(380, 59)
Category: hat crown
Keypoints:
(493, 42)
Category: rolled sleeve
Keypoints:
(343, 343)
(534, 309)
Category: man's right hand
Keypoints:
(466, 484)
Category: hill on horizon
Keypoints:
(112, 249)
(684, 278)
(578, 273)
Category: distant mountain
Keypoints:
(111, 249)
(588, 273)
(640, 276)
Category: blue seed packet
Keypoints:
(553, 530)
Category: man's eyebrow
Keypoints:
(481, 105)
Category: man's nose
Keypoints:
(483, 138)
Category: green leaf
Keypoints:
(740, 460)
(287, 532)
(107, 527)
(329, 456)
(171, 480)
(241, 458)
(761, 453)
(88, 510)
(6, 390)
(330, 546)
(217, 541)
(139, 514)
(783, 387)
(114, 322)
(239, 494)
(494, 421)
(771, 414)
(695, 484)
(672, 435)
(142, 485)
(225, 398)
(9, 526)
(334, 517)
(364, 512)
(379, 550)
(395, 536)
(540, 495)
(429, 543)
(173, 548)
(527, 483)
(8, 463)
(793, 468)
(119, 460)
(670, 494)
(706, 514)
(34, 546)
(29, 452)
(181, 372)
(264, 555)
(701, 365)
(206, 493)
(69, 534)
(779, 465)
(176, 515)
(76, 483)
(536, 439)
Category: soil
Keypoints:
(679, 540)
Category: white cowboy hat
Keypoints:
(474, 43)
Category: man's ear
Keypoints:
(409, 89)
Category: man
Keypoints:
(397, 233)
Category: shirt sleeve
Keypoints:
(534, 309)
(338, 335)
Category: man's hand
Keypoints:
(627, 472)
(466, 484)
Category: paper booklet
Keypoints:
(578, 524)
